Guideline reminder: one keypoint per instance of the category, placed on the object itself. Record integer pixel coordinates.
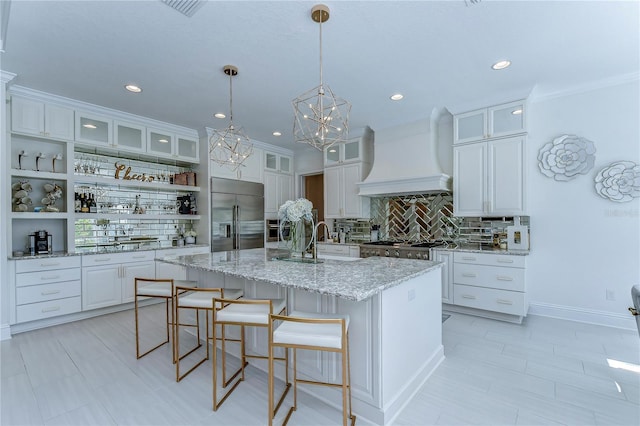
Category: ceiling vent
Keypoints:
(186, 7)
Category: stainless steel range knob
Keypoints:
(386, 253)
(409, 255)
(397, 253)
(425, 256)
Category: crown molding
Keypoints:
(6, 76)
(538, 96)
(96, 109)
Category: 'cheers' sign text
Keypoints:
(131, 176)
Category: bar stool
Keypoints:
(198, 299)
(163, 288)
(246, 313)
(313, 331)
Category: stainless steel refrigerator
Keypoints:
(237, 215)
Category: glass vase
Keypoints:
(295, 239)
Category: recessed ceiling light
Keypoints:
(517, 111)
(332, 150)
(396, 96)
(276, 133)
(90, 126)
(500, 65)
(133, 88)
(163, 141)
(219, 115)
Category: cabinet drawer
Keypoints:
(114, 258)
(489, 276)
(508, 302)
(47, 263)
(46, 277)
(182, 251)
(41, 293)
(510, 261)
(52, 308)
(338, 249)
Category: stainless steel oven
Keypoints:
(272, 229)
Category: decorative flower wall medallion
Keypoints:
(566, 157)
(619, 181)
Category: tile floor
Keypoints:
(543, 372)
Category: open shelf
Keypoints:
(129, 216)
(34, 174)
(160, 186)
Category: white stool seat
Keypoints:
(249, 313)
(163, 289)
(203, 300)
(311, 334)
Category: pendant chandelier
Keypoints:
(230, 147)
(321, 118)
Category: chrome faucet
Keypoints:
(315, 237)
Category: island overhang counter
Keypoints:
(395, 332)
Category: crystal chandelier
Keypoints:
(230, 147)
(321, 118)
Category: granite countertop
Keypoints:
(101, 250)
(356, 280)
(477, 248)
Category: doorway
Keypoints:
(314, 192)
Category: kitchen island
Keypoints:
(395, 332)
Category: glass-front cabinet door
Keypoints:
(93, 129)
(332, 155)
(470, 126)
(130, 136)
(187, 148)
(270, 161)
(159, 143)
(507, 119)
(351, 150)
(285, 164)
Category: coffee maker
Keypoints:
(41, 242)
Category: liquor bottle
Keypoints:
(93, 207)
(84, 207)
(77, 205)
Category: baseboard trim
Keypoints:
(589, 316)
(5, 332)
(63, 319)
(482, 313)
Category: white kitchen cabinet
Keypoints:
(445, 257)
(345, 250)
(177, 272)
(278, 188)
(341, 199)
(108, 279)
(160, 143)
(277, 162)
(356, 149)
(489, 282)
(46, 288)
(32, 117)
(489, 178)
(187, 148)
(487, 123)
(129, 136)
(93, 129)
(252, 169)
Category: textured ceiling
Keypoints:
(437, 53)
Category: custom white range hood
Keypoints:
(406, 160)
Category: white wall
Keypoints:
(581, 244)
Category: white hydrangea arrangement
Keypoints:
(295, 211)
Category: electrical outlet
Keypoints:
(611, 295)
(412, 294)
